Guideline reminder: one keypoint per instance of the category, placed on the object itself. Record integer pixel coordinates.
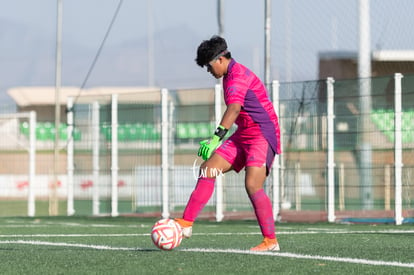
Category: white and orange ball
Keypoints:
(166, 234)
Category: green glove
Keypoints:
(208, 146)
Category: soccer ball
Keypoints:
(166, 234)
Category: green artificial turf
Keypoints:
(122, 245)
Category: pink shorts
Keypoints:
(241, 155)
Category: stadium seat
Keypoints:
(408, 120)
(24, 128)
(154, 132)
(133, 132)
(144, 133)
(384, 120)
(204, 130)
(122, 133)
(181, 131)
(106, 131)
(77, 135)
(41, 132)
(192, 130)
(63, 132)
(50, 130)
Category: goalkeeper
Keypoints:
(253, 146)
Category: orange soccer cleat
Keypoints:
(186, 227)
(267, 245)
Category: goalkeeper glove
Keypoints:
(207, 147)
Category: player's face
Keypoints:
(215, 67)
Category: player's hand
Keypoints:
(208, 146)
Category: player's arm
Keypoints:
(230, 115)
(208, 146)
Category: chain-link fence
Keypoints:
(135, 153)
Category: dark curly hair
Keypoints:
(211, 48)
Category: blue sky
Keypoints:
(300, 28)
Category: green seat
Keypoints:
(192, 130)
(154, 132)
(51, 133)
(133, 132)
(384, 120)
(148, 131)
(24, 128)
(122, 133)
(204, 130)
(41, 132)
(143, 132)
(182, 132)
(103, 128)
(408, 121)
(63, 132)
(50, 130)
(106, 131)
(77, 135)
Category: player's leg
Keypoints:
(211, 168)
(259, 160)
(255, 178)
(205, 185)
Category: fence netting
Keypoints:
(363, 149)
(364, 133)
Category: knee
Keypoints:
(252, 188)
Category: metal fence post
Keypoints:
(70, 163)
(114, 156)
(95, 157)
(398, 149)
(331, 165)
(164, 153)
(31, 208)
(219, 179)
(276, 166)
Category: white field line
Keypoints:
(317, 232)
(34, 225)
(234, 251)
(205, 234)
(302, 256)
(97, 247)
(73, 235)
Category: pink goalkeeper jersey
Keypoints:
(257, 119)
